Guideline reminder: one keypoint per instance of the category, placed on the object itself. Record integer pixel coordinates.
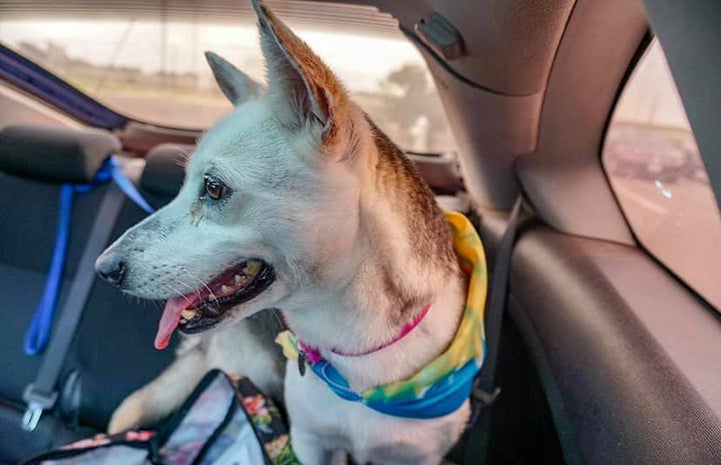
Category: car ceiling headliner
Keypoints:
(509, 44)
(325, 16)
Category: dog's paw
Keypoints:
(129, 415)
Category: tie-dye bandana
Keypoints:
(444, 384)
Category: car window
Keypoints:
(156, 71)
(659, 178)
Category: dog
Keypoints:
(297, 201)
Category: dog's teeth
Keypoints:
(252, 268)
(188, 314)
(225, 290)
(238, 279)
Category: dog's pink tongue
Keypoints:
(169, 321)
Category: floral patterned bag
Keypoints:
(226, 421)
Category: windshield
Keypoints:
(156, 71)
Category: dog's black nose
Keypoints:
(111, 268)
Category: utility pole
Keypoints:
(164, 44)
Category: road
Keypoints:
(680, 224)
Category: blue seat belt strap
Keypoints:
(127, 186)
(37, 336)
(38, 333)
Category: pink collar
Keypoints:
(314, 355)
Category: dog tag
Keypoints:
(301, 363)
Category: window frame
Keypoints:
(36, 80)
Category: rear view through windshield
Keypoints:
(156, 71)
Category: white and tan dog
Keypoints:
(297, 201)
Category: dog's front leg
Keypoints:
(308, 448)
(163, 395)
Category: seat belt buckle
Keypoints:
(37, 402)
(485, 398)
(481, 400)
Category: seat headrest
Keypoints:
(165, 169)
(55, 154)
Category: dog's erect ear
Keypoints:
(301, 87)
(235, 84)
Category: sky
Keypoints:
(360, 61)
(650, 95)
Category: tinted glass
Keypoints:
(654, 165)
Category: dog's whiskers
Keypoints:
(180, 294)
(202, 283)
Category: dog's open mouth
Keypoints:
(207, 306)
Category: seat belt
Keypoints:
(42, 393)
(38, 333)
(485, 391)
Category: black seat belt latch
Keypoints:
(485, 398)
(481, 400)
(37, 402)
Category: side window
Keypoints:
(658, 176)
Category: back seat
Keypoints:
(164, 172)
(114, 346)
(113, 349)
(29, 193)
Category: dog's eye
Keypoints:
(214, 188)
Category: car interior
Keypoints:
(609, 351)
